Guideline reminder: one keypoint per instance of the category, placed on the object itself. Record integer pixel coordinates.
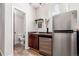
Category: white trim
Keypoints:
(19, 9)
(27, 47)
(1, 52)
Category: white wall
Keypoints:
(19, 24)
(2, 28)
(30, 16)
(8, 30)
(6, 38)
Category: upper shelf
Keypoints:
(39, 20)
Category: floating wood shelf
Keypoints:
(39, 20)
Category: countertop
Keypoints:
(43, 34)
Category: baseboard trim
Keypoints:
(26, 47)
(1, 52)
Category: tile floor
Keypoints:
(20, 51)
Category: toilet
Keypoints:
(21, 39)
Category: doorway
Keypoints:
(19, 29)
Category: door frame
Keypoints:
(14, 8)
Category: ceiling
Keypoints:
(36, 5)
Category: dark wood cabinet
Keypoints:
(33, 41)
(42, 42)
(30, 41)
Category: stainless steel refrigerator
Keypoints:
(64, 34)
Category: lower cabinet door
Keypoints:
(33, 41)
(36, 44)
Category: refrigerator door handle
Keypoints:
(64, 31)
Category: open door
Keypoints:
(19, 29)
